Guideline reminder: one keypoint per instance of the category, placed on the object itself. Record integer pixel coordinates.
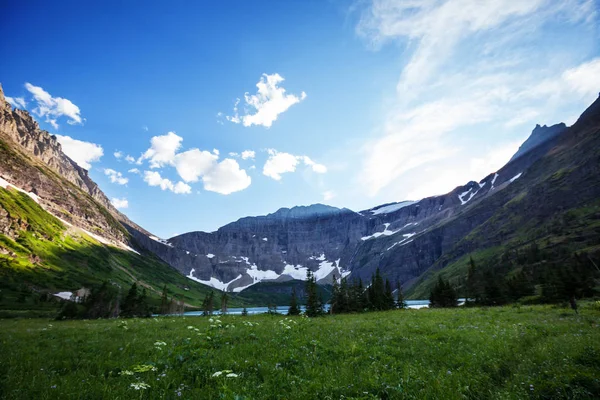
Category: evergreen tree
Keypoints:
(472, 295)
(208, 304)
(293, 310)
(400, 302)
(244, 312)
(314, 306)
(443, 295)
(390, 304)
(335, 300)
(129, 307)
(143, 309)
(164, 301)
(224, 301)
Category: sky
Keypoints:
(190, 115)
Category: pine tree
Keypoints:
(314, 306)
(224, 301)
(143, 310)
(335, 300)
(164, 301)
(400, 302)
(208, 304)
(293, 310)
(390, 304)
(472, 295)
(128, 309)
(244, 312)
(443, 295)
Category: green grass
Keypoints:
(500, 353)
(46, 256)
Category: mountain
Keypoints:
(59, 232)
(409, 241)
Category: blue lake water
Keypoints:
(414, 304)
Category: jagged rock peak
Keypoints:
(539, 135)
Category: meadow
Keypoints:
(517, 352)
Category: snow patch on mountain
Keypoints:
(469, 192)
(403, 241)
(386, 232)
(391, 207)
(159, 240)
(514, 178)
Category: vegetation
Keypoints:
(46, 257)
(528, 352)
(443, 295)
(353, 297)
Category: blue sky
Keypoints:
(361, 102)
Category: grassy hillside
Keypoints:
(47, 257)
(499, 353)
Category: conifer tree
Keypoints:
(400, 302)
(293, 310)
(130, 304)
(390, 304)
(314, 305)
(224, 301)
(164, 301)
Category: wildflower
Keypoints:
(140, 386)
(159, 343)
(53, 387)
(231, 375)
(126, 372)
(218, 373)
(190, 327)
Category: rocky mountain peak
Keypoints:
(539, 135)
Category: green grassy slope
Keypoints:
(46, 256)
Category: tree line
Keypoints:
(104, 301)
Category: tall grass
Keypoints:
(498, 353)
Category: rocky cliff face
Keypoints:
(32, 159)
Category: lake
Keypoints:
(414, 304)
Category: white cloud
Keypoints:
(226, 177)
(246, 154)
(194, 163)
(118, 155)
(280, 163)
(53, 107)
(115, 176)
(145, 128)
(162, 150)
(267, 104)
(119, 203)
(153, 178)
(134, 171)
(17, 102)
(129, 159)
(83, 153)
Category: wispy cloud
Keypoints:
(471, 65)
(53, 107)
(115, 176)
(18, 102)
(264, 107)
